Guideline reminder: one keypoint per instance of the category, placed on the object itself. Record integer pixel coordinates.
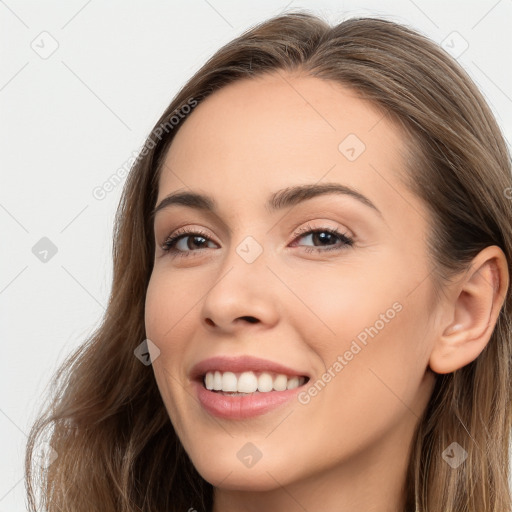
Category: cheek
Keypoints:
(371, 332)
(339, 301)
(157, 298)
(384, 361)
(165, 317)
(369, 389)
(169, 306)
(163, 311)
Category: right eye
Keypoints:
(182, 242)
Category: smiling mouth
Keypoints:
(245, 383)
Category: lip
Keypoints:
(242, 364)
(252, 404)
(242, 407)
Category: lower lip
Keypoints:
(241, 407)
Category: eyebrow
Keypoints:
(279, 200)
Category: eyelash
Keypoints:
(170, 243)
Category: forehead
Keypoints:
(259, 135)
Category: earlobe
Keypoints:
(472, 314)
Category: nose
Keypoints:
(242, 295)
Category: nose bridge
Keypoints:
(243, 287)
(249, 251)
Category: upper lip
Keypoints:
(242, 364)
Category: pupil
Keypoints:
(323, 236)
(197, 237)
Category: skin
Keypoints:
(347, 449)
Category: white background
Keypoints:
(72, 119)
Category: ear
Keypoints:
(471, 311)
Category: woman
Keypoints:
(313, 250)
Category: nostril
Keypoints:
(250, 319)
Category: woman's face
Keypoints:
(354, 316)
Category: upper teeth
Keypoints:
(249, 382)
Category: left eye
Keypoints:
(182, 244)
(326, 236)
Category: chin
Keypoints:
(240, 480)
(231, 474)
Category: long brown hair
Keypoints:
(116, 447)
